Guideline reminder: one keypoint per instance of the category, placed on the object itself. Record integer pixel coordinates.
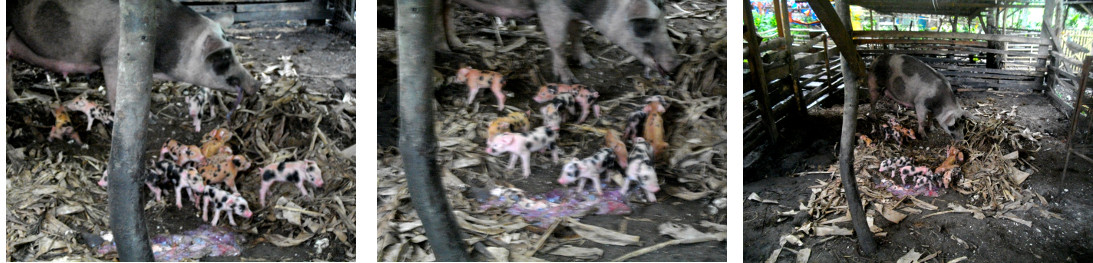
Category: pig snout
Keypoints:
(247, 214)
(652, 188)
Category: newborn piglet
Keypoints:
(641, 169)
(223, 201)
(296, 172)
(523, 144)
(586, 169)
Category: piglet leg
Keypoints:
(596, 110)
(512, 161)
(500, 95)
(205, 209)
(262, 192)
(652, 197)
(580, 184)
(303, 190)
(473, 91)
(231, 219)
(596, 184)
(526, 157)
(216, 216)
(178, 197)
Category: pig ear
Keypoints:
(214, 43)
(505, 139)
(224, 19)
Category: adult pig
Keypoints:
(637, 26)
(81, 36)
(912, 83)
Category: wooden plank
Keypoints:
(757, 68)
(1037, 72)
(932, 52)
(861, 41)
(1061, 57)
(984, 75)
(984, 37)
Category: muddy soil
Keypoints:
(324, 59)
(952, 235)
(611, 81)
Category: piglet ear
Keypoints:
(230, 201)
(506, 139)
(575, 159)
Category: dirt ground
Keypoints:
(811, 147)
(522, 66)
(324, 60)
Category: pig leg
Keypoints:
(205, 209)
(178, 197)
(652, 197)
(580, 184)
(596, 183)
(554, 151)
(472, 84)
(262, 192)
(874, 92)
(526, 157)
(231, 219)
(496, 88)
(110, 73)
(449, 27)
(555, 23)
(512, 161)
(578, 45)
(216, 216)
(920, 112)
(303, 190)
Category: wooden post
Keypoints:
(838, 25)
(1077, 110)
(758, 72)
(827, 64)
(994, 61)
(136, 53)
(794, 80)
(778, 18)
(1047, 30)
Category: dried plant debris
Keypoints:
(988, 168)
(53, 195)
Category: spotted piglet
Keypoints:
(92, 110)
(290, 171)
(635, 120)
(641, 169)
(182, 155)
(522, 144)
(477, 79)
(550, 90)
(586, 169)
(223, 200)
(514, 121)
(225, 171)
(197, 102)
(586, 98)
(553, 114)
(165, 175)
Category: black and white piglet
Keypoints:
(166, 175)
(641, 169)
(290, 171)
(223, 201)
(522, 144)
(586, 169)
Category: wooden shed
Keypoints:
(795, 69)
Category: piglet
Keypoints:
(166, 174)
(61, 127)
(290, 171)
(522, 144)
(641, 169)
(611, 140)
(182, 155)
(654, 133)
(223, 201)
(586, 98)
(586, 169)
(477, 79)
(197, 102)
(92, 110)
(636, 119)
(550, 90)
(514, 121)
(225, 171)
(553, 114)
(214, 140)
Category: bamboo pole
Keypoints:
(793, 75)
(1077, 109)
(758, 74)
(838, 25)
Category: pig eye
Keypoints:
(643, 26)
(220, 60)
(233, 81)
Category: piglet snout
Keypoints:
(247, 214)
